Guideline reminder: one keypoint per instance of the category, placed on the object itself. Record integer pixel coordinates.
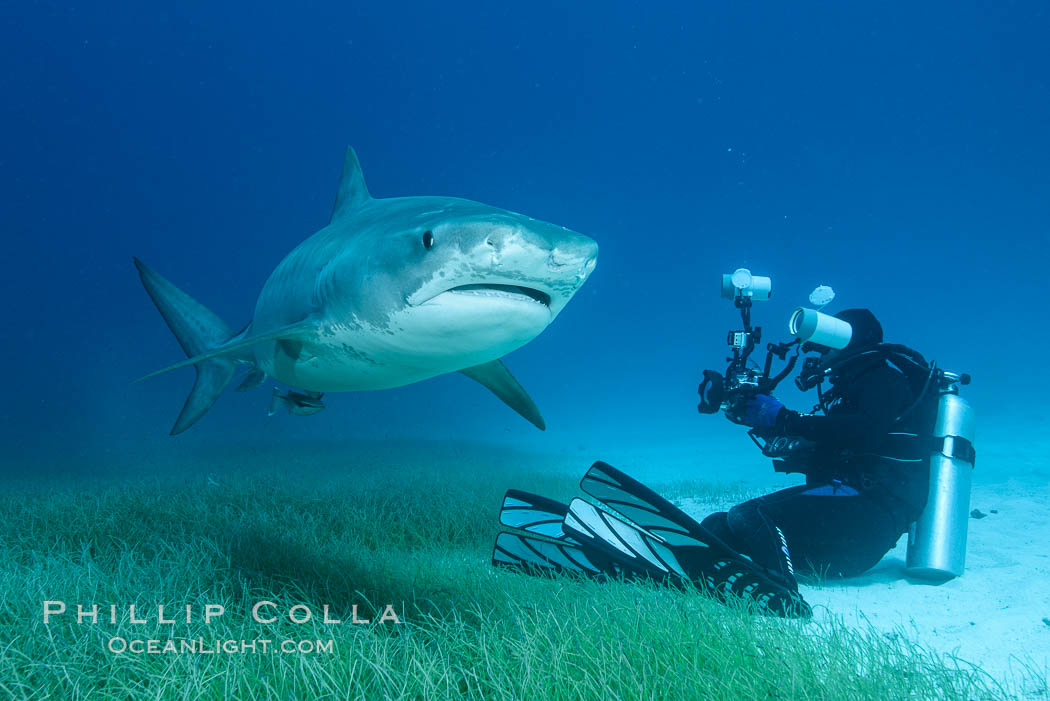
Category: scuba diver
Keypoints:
(867, 473)
(889, 432)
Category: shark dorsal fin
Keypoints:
(352, 189)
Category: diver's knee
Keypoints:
(717, 523)
(742, 517)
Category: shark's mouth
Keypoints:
(516, 292)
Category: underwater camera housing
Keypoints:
(742, 380)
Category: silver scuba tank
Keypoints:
(937, 541)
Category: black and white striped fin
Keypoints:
(735, 577)
(522, 552)
(534, 513)
(643, 506)
(720, 570)
(626, 543)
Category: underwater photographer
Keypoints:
(864, 448)
(887, 449)
(866, 477)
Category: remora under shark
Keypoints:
(391, 292)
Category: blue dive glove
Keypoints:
(761, 411)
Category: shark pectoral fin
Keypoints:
(500, 382)
(293, 349)
(252, 380)
(236, 346)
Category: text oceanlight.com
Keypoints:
(200, 646)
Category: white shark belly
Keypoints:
(345, 360)
(323, 368)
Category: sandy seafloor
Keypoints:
(991, 617)
(997, 615)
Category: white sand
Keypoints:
(991, 617)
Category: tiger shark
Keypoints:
(391, 292)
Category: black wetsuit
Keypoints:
(865, 482)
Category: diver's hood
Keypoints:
(867, 331)
(836, 365)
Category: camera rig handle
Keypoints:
(711, 391)
(741, 382)
(780, 350)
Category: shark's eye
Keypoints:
(428, 239)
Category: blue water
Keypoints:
(895, 152)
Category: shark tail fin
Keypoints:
(198, 330)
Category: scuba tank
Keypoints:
(937, 541)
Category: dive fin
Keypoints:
(535, 555)
(535, 514)
(352, 189)
(497, 378)
(198, 330)
(630, 545)
(252, 380)
(629, 497)
(720, 570)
